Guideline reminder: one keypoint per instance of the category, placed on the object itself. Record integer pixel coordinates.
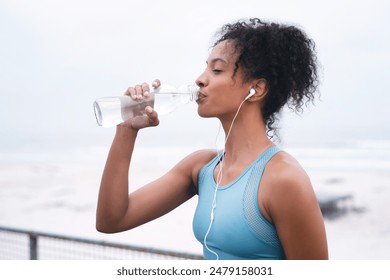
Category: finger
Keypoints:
(145, 89)
(156, 83)
(138, 92)
(131, 92)
(152, 115)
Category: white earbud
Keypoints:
(251, 93)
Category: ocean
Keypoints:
(56, 191)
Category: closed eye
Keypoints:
(217, 70)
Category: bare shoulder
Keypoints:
(286, 183)
(292, 206)
(198, 158)
(203, 155)
(285, 173)
(193, 164)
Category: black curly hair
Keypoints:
(281, 54)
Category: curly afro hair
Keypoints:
(282, 55)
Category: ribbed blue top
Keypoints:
(239, 230)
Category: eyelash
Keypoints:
(217, 70)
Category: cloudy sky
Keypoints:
(57, 57)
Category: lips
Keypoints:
(201, 97)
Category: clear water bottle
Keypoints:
(110, 111)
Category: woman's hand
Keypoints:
(137, 93)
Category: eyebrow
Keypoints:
(214, 60)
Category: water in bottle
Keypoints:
(110, 111)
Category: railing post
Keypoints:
(33, 246)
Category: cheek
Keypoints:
(215, 108)
(210, 106)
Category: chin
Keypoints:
(204, 114)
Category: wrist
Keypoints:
(125, 131)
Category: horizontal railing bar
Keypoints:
(103, 243)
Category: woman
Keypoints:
(255, 201)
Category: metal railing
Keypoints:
(33, 245)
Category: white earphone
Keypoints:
(251, 93)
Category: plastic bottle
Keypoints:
(110, 111)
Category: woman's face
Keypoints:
(221, 91)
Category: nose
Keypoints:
(201, 80)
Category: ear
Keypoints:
(261, 88)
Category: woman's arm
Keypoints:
(118, 211)
(113, 193)
(292, 206)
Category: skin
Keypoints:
(286, 197)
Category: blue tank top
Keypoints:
(239, 230)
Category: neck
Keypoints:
(247, 138)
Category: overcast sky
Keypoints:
(57, 57)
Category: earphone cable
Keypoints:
(219, 179)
